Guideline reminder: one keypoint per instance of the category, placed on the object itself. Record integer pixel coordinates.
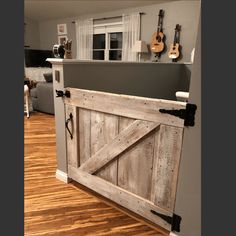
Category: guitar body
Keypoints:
(157, 44)
(174, 51)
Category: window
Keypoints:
(115, 46)
(107, 42)
(99, 46)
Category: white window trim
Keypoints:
(106, 29)
(108, 24)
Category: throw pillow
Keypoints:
(48, 77)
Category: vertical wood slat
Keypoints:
(104, 127)
(84, 134)
(168, 144)
(135, 165)
(72, 145)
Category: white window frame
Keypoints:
(107, 28)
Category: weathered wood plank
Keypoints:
(126, 199)
(72, 147)
(135, 168)
(165, 166)
(84, 134)
(135, 165)
(124, 122)
(121, 142)
(128, 106)
(104, 127)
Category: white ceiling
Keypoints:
(40, 10)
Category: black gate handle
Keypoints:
(67, 122)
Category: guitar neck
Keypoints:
(159, 27)
(175, 38)
(160, 20)
(177, 35)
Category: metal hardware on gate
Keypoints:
(174, 220)
(60, 93)
(67, 127)
(187, 114)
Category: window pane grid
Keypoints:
(115, 40)
(99, 41)
(107, 46)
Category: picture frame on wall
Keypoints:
(61, 29)
(62, 38)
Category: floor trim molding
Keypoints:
(62, 176)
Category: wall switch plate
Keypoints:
(57, 75)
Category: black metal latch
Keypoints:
(60, 93)
(174, 221)
(187, 114)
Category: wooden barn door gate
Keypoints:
(126, 149)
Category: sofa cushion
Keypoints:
(48, 77)
(33, 92)
(45, 100)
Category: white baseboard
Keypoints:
(62, 176)
(173, 234)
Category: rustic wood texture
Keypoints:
(128, 106)
(138, 160)
(53, 208)
(166, 166)
(121, 142)
(135, 164)
(104, 127)
(84, 134)
(122, 197)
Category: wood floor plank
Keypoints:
(53, 208)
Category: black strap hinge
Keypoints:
(174, 221)
(60, 93)
(187, 114)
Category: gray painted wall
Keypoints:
(188, 202)
(185, 13)
(49, 37)
(31, 34)
(153, 80)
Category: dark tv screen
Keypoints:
(37, 58)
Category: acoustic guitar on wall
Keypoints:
(174, 51)
(157, 44)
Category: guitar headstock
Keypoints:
(161, 13)
(178, 27)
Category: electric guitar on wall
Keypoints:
(174, 52)
(157, 44)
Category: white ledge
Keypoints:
(61, 61)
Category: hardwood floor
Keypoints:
(53, 208)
